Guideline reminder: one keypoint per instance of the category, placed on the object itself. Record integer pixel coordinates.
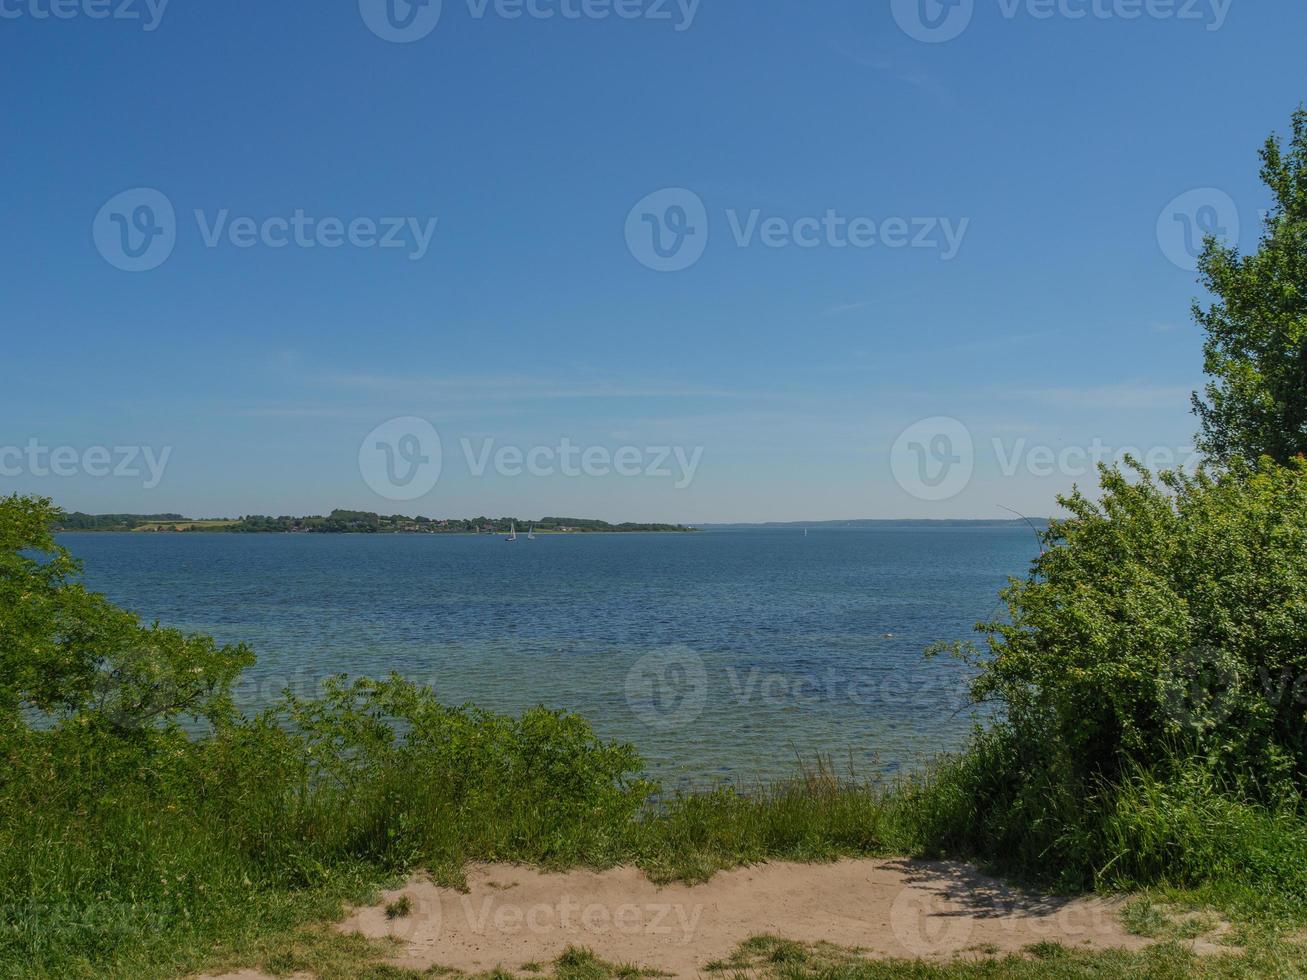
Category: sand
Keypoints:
(512, 916)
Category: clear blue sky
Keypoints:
(530, 320)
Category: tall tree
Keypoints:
(1256, 348)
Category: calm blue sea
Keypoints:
(719, 654)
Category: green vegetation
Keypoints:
(114, 522)
(769, 956)
(1256, 350)
(352, 522)
(1152, 685)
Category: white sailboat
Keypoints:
(512, 531)
(531, 534)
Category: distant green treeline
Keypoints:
(348, 522)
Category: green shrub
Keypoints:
(1149, 684)
(1168, 621)
(66, 652)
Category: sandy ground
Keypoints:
(512, 916)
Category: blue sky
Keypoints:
(1054, 321)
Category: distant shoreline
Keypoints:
(522, 532)
(362, 522)
(350, 522)
(881, 522)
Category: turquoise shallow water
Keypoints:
(719, 654)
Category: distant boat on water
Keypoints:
(512, 532)
(531, 534)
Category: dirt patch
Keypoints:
(512, 916)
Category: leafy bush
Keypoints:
(1167, 621)
(66, 652)
(1150, 678)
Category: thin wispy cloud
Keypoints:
(910, 75)
(516, 388)
(1132, 395)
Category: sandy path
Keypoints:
(512, 916)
